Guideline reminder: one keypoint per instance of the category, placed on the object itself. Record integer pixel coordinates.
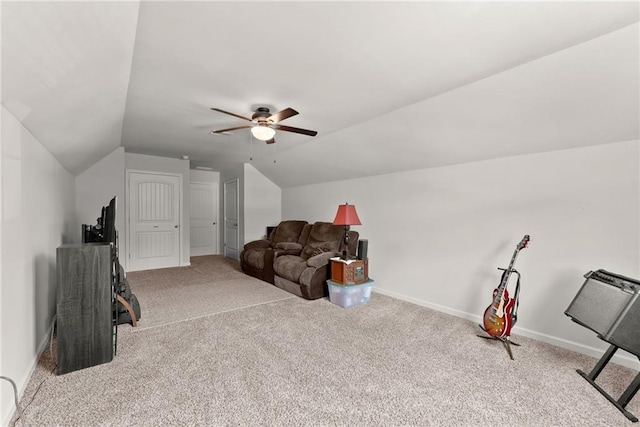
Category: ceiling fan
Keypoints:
(264, 124)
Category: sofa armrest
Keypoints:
(258, 244)
(321, 259)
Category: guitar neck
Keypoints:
(505, 276)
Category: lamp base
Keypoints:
(345, 251)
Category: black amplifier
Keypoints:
(608, 304)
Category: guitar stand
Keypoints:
(505, 341)
(626, 396)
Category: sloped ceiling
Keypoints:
(389, 86)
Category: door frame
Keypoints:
(224, 215)
(127, 225)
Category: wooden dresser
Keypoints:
(84, 306)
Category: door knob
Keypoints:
(175, 226)
(214, 223)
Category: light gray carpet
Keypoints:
(212, 284)
(293, 362)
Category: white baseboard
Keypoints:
(622, 357)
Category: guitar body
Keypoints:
(497, 319)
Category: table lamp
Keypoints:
(346, 216)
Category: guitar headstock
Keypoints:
(524, 242)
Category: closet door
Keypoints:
(204, 218)
(153, 230)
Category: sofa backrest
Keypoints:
(321, 237)
(287, 231)
(325, 231)
(304, 235)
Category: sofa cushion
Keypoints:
(287, 231)
(290, 267)
(289, 246)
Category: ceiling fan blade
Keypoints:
(232, 114)
(230, 129)
(281, 115)
(271, 141)
(296, 130)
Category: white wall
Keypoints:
(38, 201)
(437, 236)
(262, 204)
(94, 189)
(204, 176)
(141, 162)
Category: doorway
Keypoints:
(204, 218)
(231, 220)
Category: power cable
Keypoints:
(15, 396)
(15, 388)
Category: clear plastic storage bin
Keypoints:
(349, 295)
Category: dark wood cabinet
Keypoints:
(349, 272)
(85, 333)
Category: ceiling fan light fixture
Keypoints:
(264, 124)
(263, 132)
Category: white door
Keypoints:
(154, 221)
(204, 218)
(231, 236)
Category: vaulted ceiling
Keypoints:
(389, 86)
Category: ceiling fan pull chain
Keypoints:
(274, 152)
(250, 147)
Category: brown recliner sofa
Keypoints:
(257, 257)
(305, 272)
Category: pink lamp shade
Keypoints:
(346, 215)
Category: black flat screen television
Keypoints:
(105, 229)
(109, 222)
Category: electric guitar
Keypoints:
(498, 317)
